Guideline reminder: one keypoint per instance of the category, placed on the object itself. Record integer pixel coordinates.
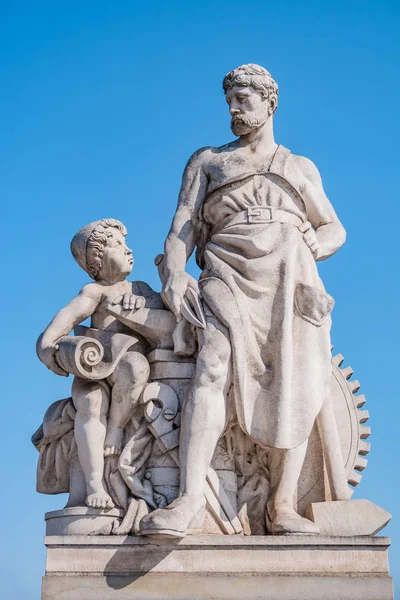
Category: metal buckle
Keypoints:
(259, 214)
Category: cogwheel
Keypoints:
(353, 433)
(350, 419)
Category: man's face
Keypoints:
(117, 258)
(249, 110)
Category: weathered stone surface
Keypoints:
(218, 554)
(217, 567)
(198, 341)
(82, 521)
(348, 518)
(216, 587)
(260, 220)
(215, 406)
(108, 363)
(171, 370)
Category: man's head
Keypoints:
(100, 249)
(252, 95)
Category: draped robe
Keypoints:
(261, 281)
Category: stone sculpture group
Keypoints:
(215, 406)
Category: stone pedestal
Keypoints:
(217, 568)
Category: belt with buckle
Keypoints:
(259, 214)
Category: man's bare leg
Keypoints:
(203, 422)
(91, 402)
(285, 468)
(127, 381)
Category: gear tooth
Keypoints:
(347, 372)
(338, 359)
(360, 463)
(365, 432)
(359, 400)
(363, 416)
(364, 447)
(354, 478)
(354, 386)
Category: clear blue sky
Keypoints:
(102, 104)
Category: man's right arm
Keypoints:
(79, 309)
(181, 241)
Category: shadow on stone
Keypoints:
(122, 569)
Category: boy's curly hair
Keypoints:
(88, 244)
(97, 242)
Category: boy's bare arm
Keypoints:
(79, 309)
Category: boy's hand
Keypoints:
(47, 355)
(130, 301)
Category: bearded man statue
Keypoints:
(260, 220)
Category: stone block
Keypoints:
(348, 517)
(171, 370)
(216, 568)
(216, 587)
(80, 520)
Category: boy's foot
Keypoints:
(113, 443)
(99, 501)
(97, 496)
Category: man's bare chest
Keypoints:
(234, 166)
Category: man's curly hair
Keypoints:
(255, 76)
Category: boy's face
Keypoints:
(117, 258)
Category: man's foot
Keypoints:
(99, 500)
(287, 521)
(113, 443)
(183, 516)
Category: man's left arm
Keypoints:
(327, 234)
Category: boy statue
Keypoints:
(103, 407)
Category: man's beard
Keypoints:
(244, 124)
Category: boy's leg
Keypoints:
(91, 400)
(127, 381)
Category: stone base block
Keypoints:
(217, 568)
(348, 517)
(82, 521)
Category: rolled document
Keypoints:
(82, 356)
(93, 353)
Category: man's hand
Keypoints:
(310, 237)
(130, 301)
(47, 354)
(174, 290)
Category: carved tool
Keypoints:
(191, 307)
(161, 411)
